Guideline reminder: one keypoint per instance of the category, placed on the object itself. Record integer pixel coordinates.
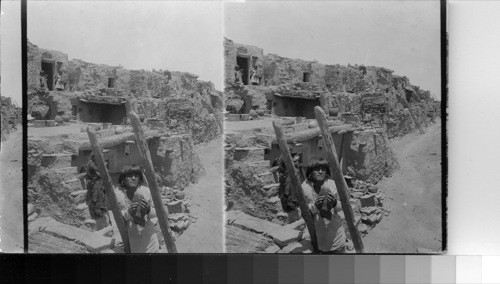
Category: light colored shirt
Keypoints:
(142, 239)
(329, 233)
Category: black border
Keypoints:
(24, 62)
(444, 121)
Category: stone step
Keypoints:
(93, 241)
(281, 235)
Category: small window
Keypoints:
(306, 77)
(111, 82)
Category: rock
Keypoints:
(379, 217)
(357, 194)
(244, 117)
(31, 209)
(78, 192)
(355, 204)
(274, 199)
(362, 228)
(59, 119)
(39, 224)
(368, 210)
(176, 217)
(272, 249)
(253, 113)
(180, 195)
(373, 189)
(297, 225)
(313, 124)
(281, 235)
(270, 186)
(181, 225)
(303, 246)
(367, 200)
(174, 207)
(272, 192)
(282, 215)
(32, 217)
(185, 205)
(82, 207)
(106, 231)
(357, 219)
(120, 130)
(92, 240)
(386, 213)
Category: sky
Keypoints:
(403, 36)
(178, 36)
(10, 50)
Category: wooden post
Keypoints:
(108, 186)
(339, 180)
(161, 211)
(296, 186)
(406, 105)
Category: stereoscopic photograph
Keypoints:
(124, 127)
(11, 146)
(333, 127)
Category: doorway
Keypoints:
(48, 69)
(244, 64)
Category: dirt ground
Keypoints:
(11, 193)
(206, 234)
(413, 195)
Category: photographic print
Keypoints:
(11, 147)
(332, 127)
(125, 127)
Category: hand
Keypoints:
(331, 201)
(319, 202)
(133, 208)
(145, 207)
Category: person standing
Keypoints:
(322, 198)
(238, 75)
(254, 79)
(96, 196)
(135, 202)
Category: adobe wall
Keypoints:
(232, 50)
(281, 70)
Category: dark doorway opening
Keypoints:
(111, 82)
(408, 95)
(306, 77)
(94, 112)
(48, 69)
(244, 64)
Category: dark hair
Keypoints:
(315, 164)
(128, 170)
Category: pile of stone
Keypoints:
(366, 203)
(178, 209)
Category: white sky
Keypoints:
(401, 35)
(178, 36)
(10, 30)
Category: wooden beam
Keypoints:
(304, 135)
(161, 211)
(296, 186)
(339, 180)
(108, 186)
